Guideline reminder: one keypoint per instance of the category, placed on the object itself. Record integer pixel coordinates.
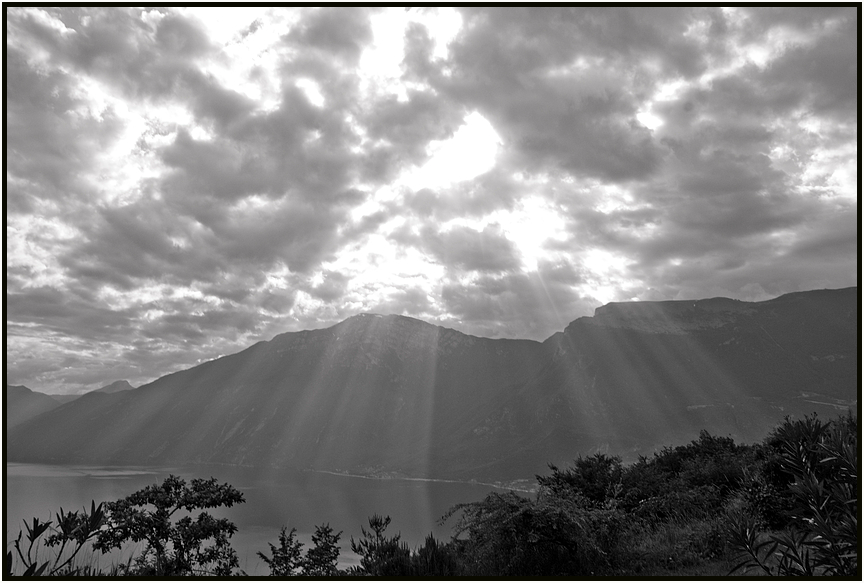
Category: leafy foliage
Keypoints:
(381, 556)
(322, 558)
(286, 560)
(320, 561)
(177, 548)
(74, 529)
(597, 478)
(822, 461)
(559, 533)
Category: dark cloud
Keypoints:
(467, 249)
(411, 301)
(404, 130)
(491, 191)
(533, 303)
(332, 287)
(341, 32)
(525, 76)
(181, 37)
(824, 77)
(51, 137)
(56, 311)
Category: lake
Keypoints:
(274, 497)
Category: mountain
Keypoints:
(639, 376)
(64, 398)
(115, 387)
(391, 395)
(23, 404)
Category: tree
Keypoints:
(321, 559)
(381, 556)
(435, 559)
(174, 548)
(286, 560)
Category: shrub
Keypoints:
(822, 460)
(508, 535)
(72, 528)
(381, 556)
(597, 478)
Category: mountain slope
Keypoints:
(23, 404)
(394, 395)
(115, 387)
(64, 398)
(364, 395)
(639, 376)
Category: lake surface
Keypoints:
(274, 498)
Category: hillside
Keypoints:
(23, 404)
(115, 387)
(391, 395)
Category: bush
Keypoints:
(554, 535)
(72, 528)
(597, 478)
(822, 461)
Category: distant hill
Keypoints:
(64, 398)
(23, 404)
(115, 387)
(391, 395)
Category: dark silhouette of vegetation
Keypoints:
(383, 556)
(174, 548)
(787, 506)
(286, 559)
(321, 560)
(821, 459)
(73, 529)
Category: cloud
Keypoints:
(467, 249)
(332, 286)
(493, 305)
(180, 186)
(339, 32)
(404, 130)
(52, 137)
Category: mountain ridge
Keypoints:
(388, 394)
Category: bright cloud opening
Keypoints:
(649, 120)
(311, 90)
(470, 152)
(607, 275)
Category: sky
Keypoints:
(184, 182)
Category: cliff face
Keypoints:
(672, 317)
(394, 395)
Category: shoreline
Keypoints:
(529, 487)
(499, 485)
